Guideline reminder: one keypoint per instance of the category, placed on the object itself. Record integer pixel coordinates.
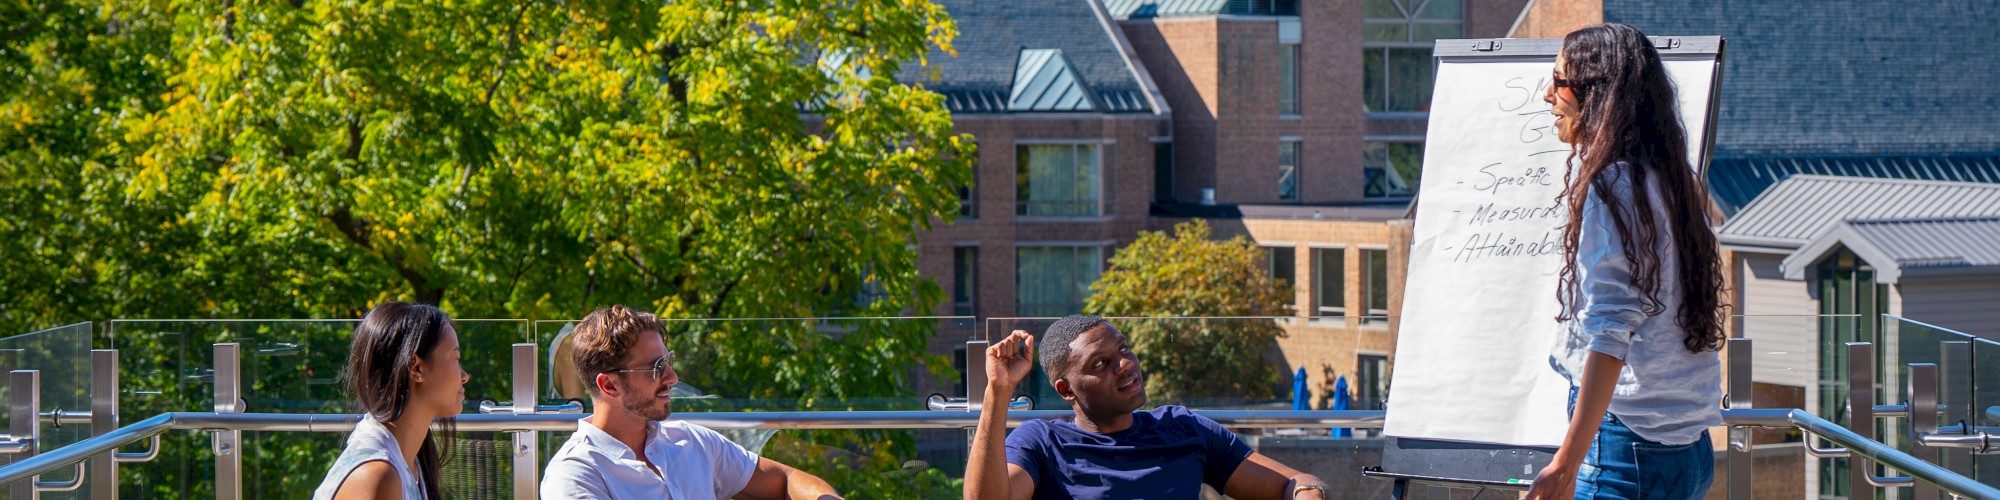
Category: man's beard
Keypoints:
(646, 408)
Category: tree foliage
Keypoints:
(1178, 281)
(525, 159)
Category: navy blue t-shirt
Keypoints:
(1167, 453)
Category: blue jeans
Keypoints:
(1622, 465)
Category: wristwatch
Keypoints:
(1296, 490)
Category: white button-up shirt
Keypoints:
(1665, 393)
(695, 463)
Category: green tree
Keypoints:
(1183, 278)
(528, 159)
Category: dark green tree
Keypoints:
(1180, 280)
(526, 159)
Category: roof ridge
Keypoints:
(1905, 220)
(1885, 180)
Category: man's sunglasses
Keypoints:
(659, 367)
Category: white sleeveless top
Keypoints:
(370, 442)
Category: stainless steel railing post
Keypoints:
(228, 443)
(527, 459)
(1860, 415)
(1922, 387)
(103, 420)
(1740, 398)
(24, 423)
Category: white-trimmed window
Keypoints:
(1288, 170)
(1058, 180)
(1288, 79)
(1054, 280)
(964, 281)
(1397, 36)
(1391, 169)
(1375, 283)
(1329, 284)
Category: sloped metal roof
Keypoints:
(1802, 207)
(1044, 82)
(1125, 9)
(1734, 181)
(1139, 9)
(980, 77)
(1943, 246)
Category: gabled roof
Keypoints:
(998, 40)
(1803, 207)
(1734, 181)
(1044, 82)
(1946, 246)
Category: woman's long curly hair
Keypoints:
(1628, 113)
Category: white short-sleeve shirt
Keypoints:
(695, 463)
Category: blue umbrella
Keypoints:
(1299, 393)
(1340, 403)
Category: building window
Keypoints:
(1391, 169)
(1288, 170)
(1059, 180)
(1163, 172)
(1288, 79)
(1282, 263)
(1054, 281)
(1375, 283)
(1371, 382)
(1261, 7)
(1397, 36)
(1329, 281)
(964, 281)
(1846, 286)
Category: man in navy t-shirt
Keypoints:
(1110, 450)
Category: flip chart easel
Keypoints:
(1473, 401)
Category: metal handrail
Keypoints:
(1857, 445)
(1917, 469)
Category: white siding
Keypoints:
(1971, 307)
(1778, 319)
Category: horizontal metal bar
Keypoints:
(1818, 452)
(59, 417)
(1892, 410)
(10, 445)
(1892, 482)
(1918, 470)
(73, 484)
(1978, 442)
(937, 402)
(268, 422)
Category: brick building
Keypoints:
(1297, 123)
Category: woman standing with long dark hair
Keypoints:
(1641, 316)
(403, 370)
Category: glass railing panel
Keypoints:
(288, 366)
(1986, 403)
(1790, 368)
(1243, 363)
(62, 356)
(811, 364)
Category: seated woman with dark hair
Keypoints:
(403, 370)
